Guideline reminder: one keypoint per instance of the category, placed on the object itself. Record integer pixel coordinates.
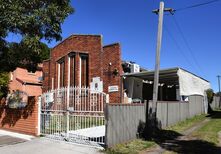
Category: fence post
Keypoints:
(39, 116)
(106, 117)
(179, 111)
(107, 100)
(67, 114)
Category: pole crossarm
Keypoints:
(156, 11)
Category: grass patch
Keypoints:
(184, 125)
(132, 147)
(209, 132)
(138, 145)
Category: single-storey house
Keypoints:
(175, 84)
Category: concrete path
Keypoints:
(17, 145)
(47, 146)
(175, 143)
(188, 132)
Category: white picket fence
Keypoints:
(74, 114)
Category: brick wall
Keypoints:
(87, 44)
(24, 74)
(112, 62)
(19, 76)
(99, 58)
(20, 120)
(46, 75)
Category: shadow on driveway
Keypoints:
(8, 140)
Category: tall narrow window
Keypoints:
(72, 69)
(61, 73)
(84, 69)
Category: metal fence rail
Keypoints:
(74, 114)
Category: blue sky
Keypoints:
(134, 26)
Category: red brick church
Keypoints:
(82, 60)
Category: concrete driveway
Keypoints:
(12, 145)
(9, 140)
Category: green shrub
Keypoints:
(4, 81)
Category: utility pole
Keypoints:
(218, 76)
(160, 12)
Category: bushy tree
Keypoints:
(210, 94)
(4, 79)
(19, 55)
(34, 21)
(218, 94)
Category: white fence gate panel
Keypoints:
(74, 114)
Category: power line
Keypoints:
(179, 48)
(197, 5)
(187, 44)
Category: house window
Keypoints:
(61, 73)
(72, 69)
(84, 75)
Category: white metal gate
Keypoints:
(74, 114)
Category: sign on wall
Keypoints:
(96, 85)
(49, 97)
(113, 88)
